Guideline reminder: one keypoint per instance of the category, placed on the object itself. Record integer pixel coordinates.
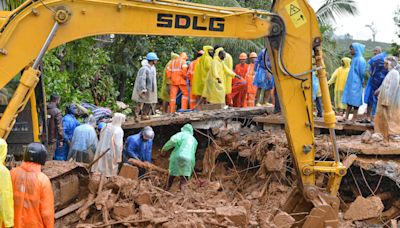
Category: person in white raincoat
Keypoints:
(387, 118)
(145, 88)
(111, 140)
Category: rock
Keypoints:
(146, 211)
(143, 198)
(237, 214)
(129, 171)
(364, 208)
(123, 209)
(245, 203)
(283, 220)
(273, 162)
(366, 137)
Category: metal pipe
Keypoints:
(334, 146)
(46, 45)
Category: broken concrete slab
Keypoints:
(364, 208)
(237, 214)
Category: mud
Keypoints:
(243, 178)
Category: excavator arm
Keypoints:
(292, 36)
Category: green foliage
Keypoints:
(331, 9)
(77, 72)
(11, 4)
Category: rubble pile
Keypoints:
(120, 201)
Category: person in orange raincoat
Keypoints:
(251, 89)
(33, 196)
(190, 73)
(177, 73)
(239, 86)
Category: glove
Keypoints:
(238, 77)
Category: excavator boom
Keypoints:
(292, 36)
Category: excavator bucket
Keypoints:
(321, 212)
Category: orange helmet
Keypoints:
(243, 56)
(183, 55)
(253, 55)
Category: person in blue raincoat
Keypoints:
(69, 125)
(377, 73)
(84, 142)
(263, 79)
(182, 159)
(352, 94)
(139, 146)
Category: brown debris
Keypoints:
(364, 208)
(283, 220)
(236, 214)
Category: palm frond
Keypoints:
(10, 4)
(331, 9)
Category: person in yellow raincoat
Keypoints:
(164, 93)
(214, 89)
(228, 80)
(339, 79)
(201, 71)
(6, 190)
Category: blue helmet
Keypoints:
(151, 56)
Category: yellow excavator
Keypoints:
(292, 38)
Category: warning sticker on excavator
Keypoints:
(296, 14)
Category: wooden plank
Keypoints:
(189, 117)
(69, 209)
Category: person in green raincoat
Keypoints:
(164, 93)
(182, 159)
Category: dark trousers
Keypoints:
(318, 104)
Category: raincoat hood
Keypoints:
(358, 49)
(3, 151)
(174, 55)
(118, 119)
(347, 62)
(187, 128)
(206, 49)
(145, 62)
(51, 105)
(216, 53)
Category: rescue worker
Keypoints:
(317, 95)
(84, 142)
(352, 93)
(387, 119)
(201, 72)
(250, 74)
(110, 143)
(164, 93)
(69, 125)
(228, 79)
(145, 89)
(183, 157)
(6, 190)
(239, 86)
(33, 195)
(191, 70)
(55, 127)
(377, 73)
(139, 146)
(176, 74)
(214, 90)
(263, 79)
(339, 78)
